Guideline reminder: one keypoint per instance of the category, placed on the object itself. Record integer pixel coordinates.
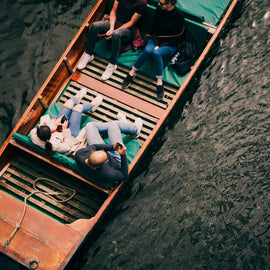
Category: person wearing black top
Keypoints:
(168, 30)
(107, 163)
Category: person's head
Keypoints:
(44, 134)
(167, 4)
(96, 159)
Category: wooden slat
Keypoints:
(36, 202)
(35, 175)
(46, 189)
(96, 194)
(108, 115)
(57, 165)
(119, 95)
(122, 71)
(141, 93)
(117, 105)
(62, 207)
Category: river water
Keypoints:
(201, 198)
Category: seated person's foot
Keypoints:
(127, 81)
(81, 94)
(160, 92)
(96, 102)
(108, 72)
(121, 117)
(138, 123)
(87, 58)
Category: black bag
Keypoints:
(185, 56)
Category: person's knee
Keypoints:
(78, 108)
(116, 36)
(69, 104)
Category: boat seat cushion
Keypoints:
(132, 144)
(194, 31)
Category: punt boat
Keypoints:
(47, 206)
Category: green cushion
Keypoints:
(194, 31)
(209, 11)
(132, 145)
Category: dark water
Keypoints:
(201, 200)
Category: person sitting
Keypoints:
(123, 16)
(100, 161)
(168, 29)
(63, 134)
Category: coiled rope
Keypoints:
(48, 194)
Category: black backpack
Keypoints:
(185, 56)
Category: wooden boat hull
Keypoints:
(42, 241)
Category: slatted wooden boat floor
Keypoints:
(139, 100)
(18, 180)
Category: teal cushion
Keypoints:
(132, 145)
(194, 31)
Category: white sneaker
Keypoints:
(121, 117)
(108, 72)
(81, 94)
(87, 58)
(138, 123)
(96, 102)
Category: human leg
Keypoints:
(69, 104)
(100, 27)
(165, 51)
(158, 55)
(139, 62)
(118, 36)
(144, 55)
(93, 130)
(75, 117)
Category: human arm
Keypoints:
(112, 18)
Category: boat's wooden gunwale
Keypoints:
(50, 92)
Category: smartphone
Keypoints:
(120, 145)
(64, 118)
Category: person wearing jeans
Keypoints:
(123, 16)
(107, 163)
(168, 30)
(63, 134)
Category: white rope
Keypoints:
(48, 194)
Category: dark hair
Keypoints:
(44, 133)
(173, 2)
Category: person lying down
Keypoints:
(63, 134)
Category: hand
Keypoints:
(121, 148)
(156, 48)
(109, 34)
(65, 125)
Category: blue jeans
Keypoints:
(118, 36)
(165, 51)
(113, 130)
(74, 117)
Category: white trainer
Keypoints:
(87, 58)
(96, 102)
(138, 123)
(81, 94)
(121, 117)
(108, 72)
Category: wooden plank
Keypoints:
(119, 95)
(57, 165)
(49, 190)
(140, 93)
(35, 202)
(111, 115)
(123, 71)
(118, 105)
(22, 162)
(45, 198)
